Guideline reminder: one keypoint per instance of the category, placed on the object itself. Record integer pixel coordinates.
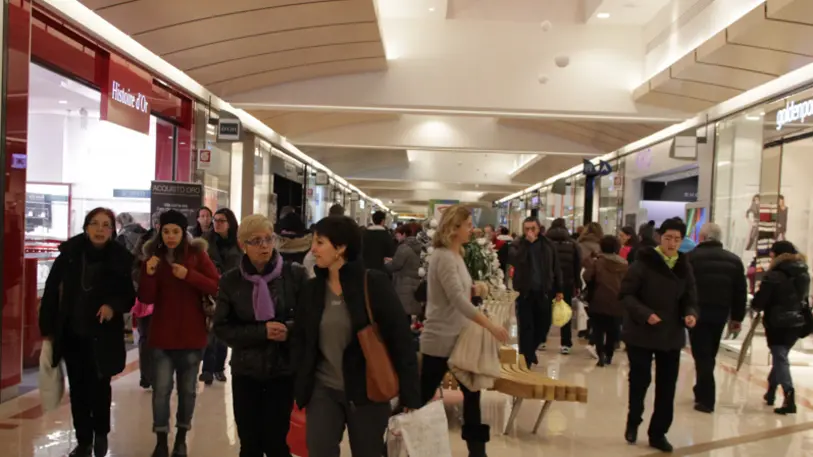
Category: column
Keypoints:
(14, 128)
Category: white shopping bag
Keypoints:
(421, 433)
(51, 380)
(581, 314)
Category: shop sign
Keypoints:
(124, 98)
(228, 129)
(354, 197)
(204, 159)
(183, 197)
(793, 113)
(321, 178)
(131, 193)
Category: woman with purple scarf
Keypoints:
(256, 310)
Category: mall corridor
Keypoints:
(741, 426)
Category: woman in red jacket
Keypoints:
(176, 278)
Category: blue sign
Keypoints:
(131, 193)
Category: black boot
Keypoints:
(100, 446)
(82, 450)
(789, 406)
(476, 437)
(770, 396)
(179, 449)
(660, 443)
(631, 434)
(161, 445)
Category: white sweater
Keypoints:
(448, 308)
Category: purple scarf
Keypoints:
(263, 302)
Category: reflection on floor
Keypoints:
(741, 427)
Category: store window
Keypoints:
(264, 201)
(217, 178)
(76, 162)
(608, 200)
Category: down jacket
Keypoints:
(253, 354)
(722, 291)
(604, 277)
(404, 269)
(651, 287)
(786, 287)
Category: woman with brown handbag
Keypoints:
(353, 345)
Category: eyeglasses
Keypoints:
(269, 240)
(221, 220)
(101, 225)
(672, 239)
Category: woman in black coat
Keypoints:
(82, 312)
(331, 379)
(660, 300)
(256, 310)
(783, 295)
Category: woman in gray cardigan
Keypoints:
(404, 268)
(448, 311)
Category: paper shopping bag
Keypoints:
(423, 433)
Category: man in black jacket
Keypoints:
(721, 295)
(377, 244)
(660, 299)
(537, 278)
(571, 266)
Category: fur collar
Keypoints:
(376, 227)
(589, 238)
(654, 260)
(287, 245)
(196, 245)
(787, 258)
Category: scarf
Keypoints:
(670, 261)
(264, 309)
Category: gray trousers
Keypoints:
(329, 413)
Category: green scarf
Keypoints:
(670, 261)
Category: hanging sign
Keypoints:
(204, 159)
(124, 96)
(228, 129)
(321, 178)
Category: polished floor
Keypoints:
(741, 426)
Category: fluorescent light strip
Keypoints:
(86, 19)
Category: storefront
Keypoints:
(763, 192)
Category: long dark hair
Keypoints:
(233, 224)
(630, 232)
(197, 231)
(161, 248)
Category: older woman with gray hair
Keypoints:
(256, 311)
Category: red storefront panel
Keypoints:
(16, 124)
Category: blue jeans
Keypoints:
(214, 357)
(167, 364)
(780, 369)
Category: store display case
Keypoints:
(40, 255)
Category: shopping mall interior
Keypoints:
(698, 109)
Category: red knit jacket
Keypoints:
(178, 321)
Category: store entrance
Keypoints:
(289, 193)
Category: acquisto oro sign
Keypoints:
(793, 112)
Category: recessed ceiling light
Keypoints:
(603, 15)
(63, 102)
(432, 9)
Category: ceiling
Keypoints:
(771, 40)
(413, 100)
(239, 45)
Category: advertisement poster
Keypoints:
(184, 197)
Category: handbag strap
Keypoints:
(367, 299)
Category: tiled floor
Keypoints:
(741, 427)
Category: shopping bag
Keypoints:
(475, 360)
(581, 314)
(51, 379)
(561, 313)
(420, 433)
(296, 434)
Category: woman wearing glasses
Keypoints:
(226, 255)
(86, 296)
(255, 313)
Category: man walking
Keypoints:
(721, 296)
(537, 278)
(377, 244)
(569, 257)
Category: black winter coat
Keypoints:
(722, 290)
(569, 255)
(225, 258)
(651, 287)
(253, 354)
(112, 287)
(785, 288)
(377, 244)
(392, 322)
(520, 259)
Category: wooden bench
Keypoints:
(518, 381)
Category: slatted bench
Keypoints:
(518, 381)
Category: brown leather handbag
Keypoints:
(382, 381)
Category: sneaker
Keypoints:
(592, 351)
(144, 384)
(220, 376)
(565, 350)
(207, 378)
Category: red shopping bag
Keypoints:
(296, 435)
